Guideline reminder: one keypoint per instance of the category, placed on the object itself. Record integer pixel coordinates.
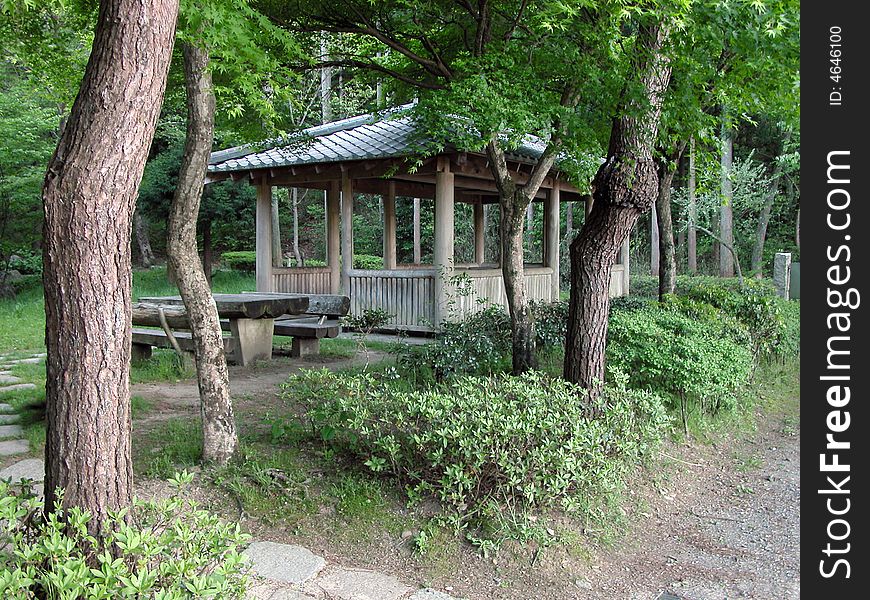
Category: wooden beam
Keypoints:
(346, 231)
(264, 236)
(333, 235)
(390, 226)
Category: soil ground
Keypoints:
(710, 521)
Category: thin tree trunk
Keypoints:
(143, 240)
(654, 246)
(691, 233)
(418, 255)
(218, 421)
(569, 220)
(624, 188)
(275, 219)
(89, 196)
(761, 230)
(325, 83)
(293, 193)
(668, 265)
(726, 215)
(522, 329)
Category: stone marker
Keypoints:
(351, 584)
(283, 562)
(29, 468)
(10, 430)
(11, 447)
(17, 387)
(782, 273)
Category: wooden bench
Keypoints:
(144, 339)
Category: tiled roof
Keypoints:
(386, 134)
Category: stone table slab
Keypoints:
(283, 562)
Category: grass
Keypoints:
(174, 445)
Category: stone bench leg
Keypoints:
(253, 338)
(304, 347)
(140, 352)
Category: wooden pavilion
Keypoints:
(370, 154)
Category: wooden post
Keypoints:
(277, 251)
(551, 237)
(479, 233)
(390, 226)
(333, 235)
(346, 231)
(443, 251)
(264, 237)
(418, 257)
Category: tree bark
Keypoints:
(218, 422)
(726, 215)
(623, 189)
(522, 327)
(143, 240)
(89, 195)
(761, 230)
(691, 233)
(667, 252)
(325, 83)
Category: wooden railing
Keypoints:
(487, 288)
(407, 294)
(301, 280)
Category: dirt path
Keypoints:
(726, 529)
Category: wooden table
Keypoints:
(251, 317)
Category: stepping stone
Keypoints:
(29, 468)
(350, 584)
(5, 408)
(7, 419)
(430, 594)
(12, 447)
(275, 591)
(24, 361)
(10, 430)
(6, 378)
(283, 562)
(17, 387)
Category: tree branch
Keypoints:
(730, 249)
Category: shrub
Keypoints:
(173, 551)
(485, 447)
(26, 263)
(670, 352)
(790, 340)
(367, 261)
(240, 260)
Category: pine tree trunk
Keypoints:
(726, 215)
(218, 421)
(89, 195)
(143, 240)
(691, 232)
(625, 187)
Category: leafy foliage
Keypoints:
(174, 550)
(490, 449)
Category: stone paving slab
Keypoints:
(12, 447)
(10, 430)
(8, 419)
(6, 378)
(283, 562)
(5, 408)
(356, 584)
(271, 590)
(29, 468)
(35, 360)
(17, 387)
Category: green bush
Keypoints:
(26, 262)
(367, 261)
(240, 260)
(790, 340)
(173, 550)
(485, 447)
(667, 351)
